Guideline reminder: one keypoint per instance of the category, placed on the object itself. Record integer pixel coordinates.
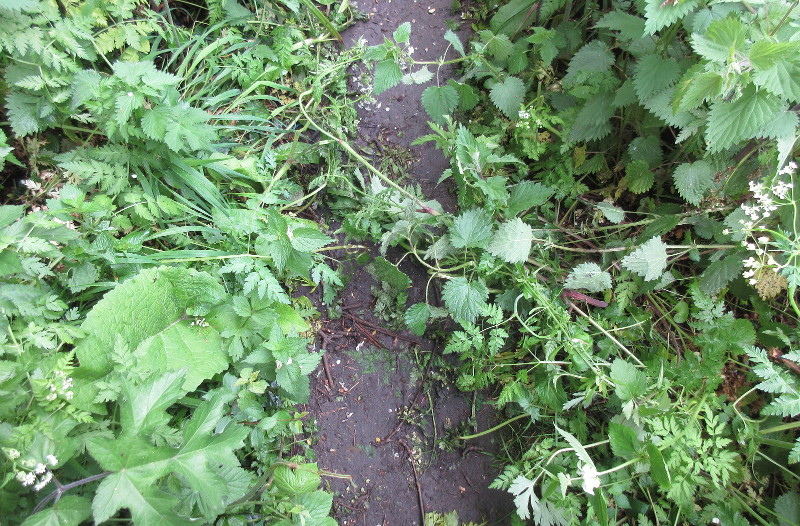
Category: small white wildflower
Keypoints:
(28, 479)
(51, 459)
(44, 482)
(763, 239)
(130, 94)
(51, 397)
(289, 361)
(69, 395)
(591, 478)
(134, 176)
(752, 281)
(278, 364)
(13, 454)
(751, 246)
(748, 273)
(726, 231)
(715, 520)
(40, 468)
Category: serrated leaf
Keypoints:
(630, 382)
(613, 213)
(387, 272)
(471, 229)
(638, 176)
(499, 45)
(451, 37)
(421, 76)
(764, 54)
(417, 318)
(654, 74)
(439, 101)
(630, 27)
(695, 88)
(693, 180)
(594, 57)
(387, 76)
(526, 195)
(402, 33)
(659, 14)
(465, 299)
(649, 260)
(524, 497)
(508, 96)
(70, 510)
(721, 41)
(623, 440)
(308, 239)
(730, 123)
(720, 273)
(588, 276)
(787, 508)
(782, 80)
(512, 241)
(296, 480)
(593, 121)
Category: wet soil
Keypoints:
(386, 421)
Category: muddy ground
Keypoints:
(384, 418)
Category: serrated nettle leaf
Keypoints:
(720, 273)
(296, 480)
(764, 54)
(512, 241)
(526, 195)
(654, 74)
(508, 96)
(693, 180)
(630, 27)
(630, 382)
(387, 76)
(451, 37)
(649, 260)
(465, 299)
(439, 101)
(659, 14)
(781, 79)
(588, 276)
(402, 33)
(623, 440)
(611, 212)
(498, 45)
(471, 229)
(417, 318)
(593, 57)
(730, 123)
(696, 87)
(421, 76)
(638, 176)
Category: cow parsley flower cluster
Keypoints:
(36, 474)
(62, 386)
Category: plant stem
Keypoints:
(495, 428)
(782, 427)
(60, 490)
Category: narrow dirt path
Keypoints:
(398, 459)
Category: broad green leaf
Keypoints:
(787, 508)
(613, 213)
(781, 79)
(638, 176)
(387, 272)
(515, 16)
(421, 76)
(455, 41)
(593, 120)
(721, 41)
(630, 27)
(296, 480)
(402, 33)
(623, 440)
(439, 101)
(764, 54)
(729, 123)
(417, 318)
(144, 407)
(10, 213)
(658, 468)
(512, 241)
(630, 382)
(594, 57)
(720, 273)
(465, 299)
(316, 508)
(588, 276)
(148, 505)
(508, 96)
(471, 229)
(387, 76)
(649, 260)
(467, 96)
(695, 88)
(654, 74)
(693, 180)
(660, 14)
(70, 510)
(499, 45)
(308, 239)
(526, 195)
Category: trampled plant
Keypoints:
(627, 233)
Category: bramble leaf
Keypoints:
(512, 241)
(649, 260)
(508, 96)
(465, 299)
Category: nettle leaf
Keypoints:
(613, 213)
(402, 33)
(508, 96)
(526, 195)
(693, 180)
(654, 74)
(465, 299)
(499, 45)
(296, 480)
(695, 87)
(588, 276)
(638, 176)
(630, 27)
(660, 14)
(471, 229)
(594, 57)
(439, 101)
(787, 508)
(387, 76)
(421, 76)
(630, 382)
(623, 440)
(721, 41)
(649, 260)
(69, 510)
(781, 79)
(593, 121)
(720, 273)
(512, 241)
(451, 37)
(417, 318)
(732, 122)
(308, 239)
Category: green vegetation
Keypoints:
(624, 265)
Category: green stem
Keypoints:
(782, 427)
(495, 428)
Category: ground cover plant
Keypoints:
(155, 166)
(623, 264)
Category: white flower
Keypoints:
(44, 482)
(40, 468)
(13, 454)
(278, 364)
(27, 479)
(51, 459)
(68, 395)
(130, 94)
(763, 239)
(591, 478)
